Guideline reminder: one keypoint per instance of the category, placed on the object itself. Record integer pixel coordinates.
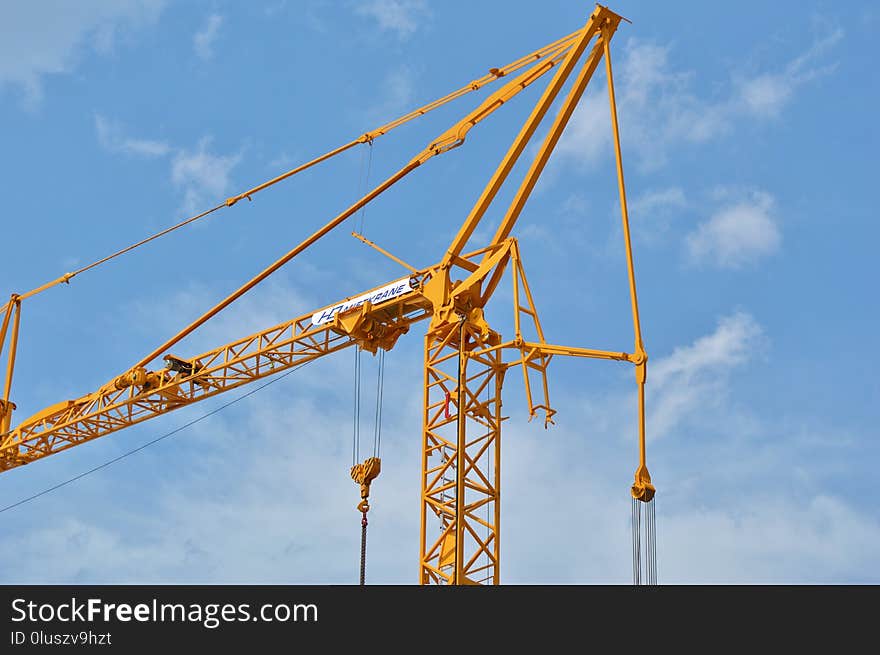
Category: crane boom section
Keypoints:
(140, 394)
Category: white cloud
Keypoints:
(659, 109)
(284, 161)
(400, 16)
(652, 212)
(658, 201)
(696, 375)
(744, 538)
(51, 37)
(203, 41)
(766, 94)
(398, 87)
(737, 235)
(112, 137)
(656, 109)
(203, 176)
(818, 539)
(267, 305)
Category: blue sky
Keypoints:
(750, 158)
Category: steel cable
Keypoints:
(380, 388)
(637, 544)
(356, 432)
(365, 183)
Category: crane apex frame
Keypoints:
(464, 365)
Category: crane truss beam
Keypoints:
(116, 406)
(461, 458)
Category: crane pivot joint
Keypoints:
(642, 488)
(639, 357)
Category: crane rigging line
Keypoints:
(651, 558)
(636, 536)
(644, 560)
(356, 432)
(377, 436)
(377, 417)
(550, 50)
(153, 441)
(365, 182)
(380, 387)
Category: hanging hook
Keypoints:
(364, 474)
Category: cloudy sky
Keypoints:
(749, 140)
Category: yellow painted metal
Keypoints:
(64, 279)
(464, 356)
(365, 240)
(363, 474)
(7, 314)
(609, 23)
(528, 129)
(459, 519)
(117, 405)
(6, 406)
(461, 457)
(642, 488)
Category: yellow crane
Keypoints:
(465, 359)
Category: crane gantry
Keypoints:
(464, 357)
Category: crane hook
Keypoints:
(364, 474)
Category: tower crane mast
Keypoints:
(464, 357)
